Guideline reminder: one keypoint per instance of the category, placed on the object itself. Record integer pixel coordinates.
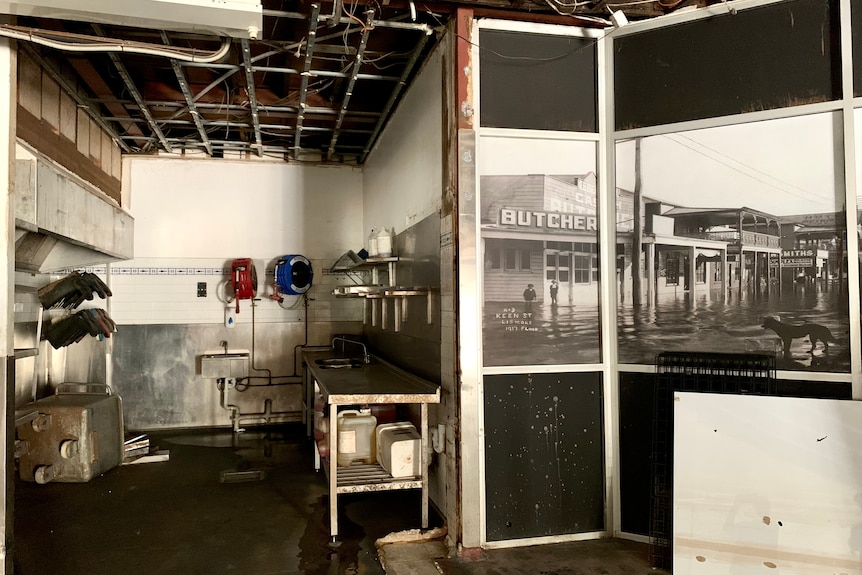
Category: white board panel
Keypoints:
(767, 485)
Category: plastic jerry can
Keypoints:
(385, 243)
(356, 440)
(399, 449)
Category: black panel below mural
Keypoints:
(544, 455)
(636, 421)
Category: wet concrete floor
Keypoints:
(177, 517)
(597, 557)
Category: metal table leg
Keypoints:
(333, 471)
(425, 455)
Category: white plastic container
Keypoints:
(372, 247)
(356, 437)
(399, 449)
(385, 241)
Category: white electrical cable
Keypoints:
(99, 44)
(294, 305)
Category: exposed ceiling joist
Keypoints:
(190, 101)
(133, 91)
(299, 91)
(306, 69)
(252, 97)
(351, 82)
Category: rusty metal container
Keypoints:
(77, 435)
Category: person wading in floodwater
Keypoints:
(554, 288)
(529, 294)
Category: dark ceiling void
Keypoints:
(317, 84)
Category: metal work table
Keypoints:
(377, 382)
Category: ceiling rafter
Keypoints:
(190, 101)
(306, 72)
(351, 83)
(252, 97)
(136, 95)
(269, 110)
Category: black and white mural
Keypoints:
(732, 239)
(539, 235)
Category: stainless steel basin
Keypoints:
(339, 363)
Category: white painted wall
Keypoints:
(193, 217)
(403, 175)
(767, 485)
(225, 209)
(402, 185)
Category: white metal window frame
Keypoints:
(845, 106)
(606, 139)
(547, 135)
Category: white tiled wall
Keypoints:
(164, 291)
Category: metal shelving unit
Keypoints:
(376, 383)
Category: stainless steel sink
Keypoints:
(339, 362)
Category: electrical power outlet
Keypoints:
(202, 289)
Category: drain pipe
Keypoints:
(223, 387)
(253, 367)
(109, 347)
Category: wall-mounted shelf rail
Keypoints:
(378, 293)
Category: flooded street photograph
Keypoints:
(737, 249)
(540, 334)
(734, 325)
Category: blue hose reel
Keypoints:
(293, 274)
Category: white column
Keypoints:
(692, 270)
(650, 274)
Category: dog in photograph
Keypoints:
(788, 332)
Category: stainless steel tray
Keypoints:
(357, 291)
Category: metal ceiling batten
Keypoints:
(360, 52)
(306, 72)
(283, 70)
(325, 73)
(402, 83)
(252, 99)
(184, 86)
(136, 95)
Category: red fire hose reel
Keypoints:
(243, 279)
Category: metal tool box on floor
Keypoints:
(77, 435)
